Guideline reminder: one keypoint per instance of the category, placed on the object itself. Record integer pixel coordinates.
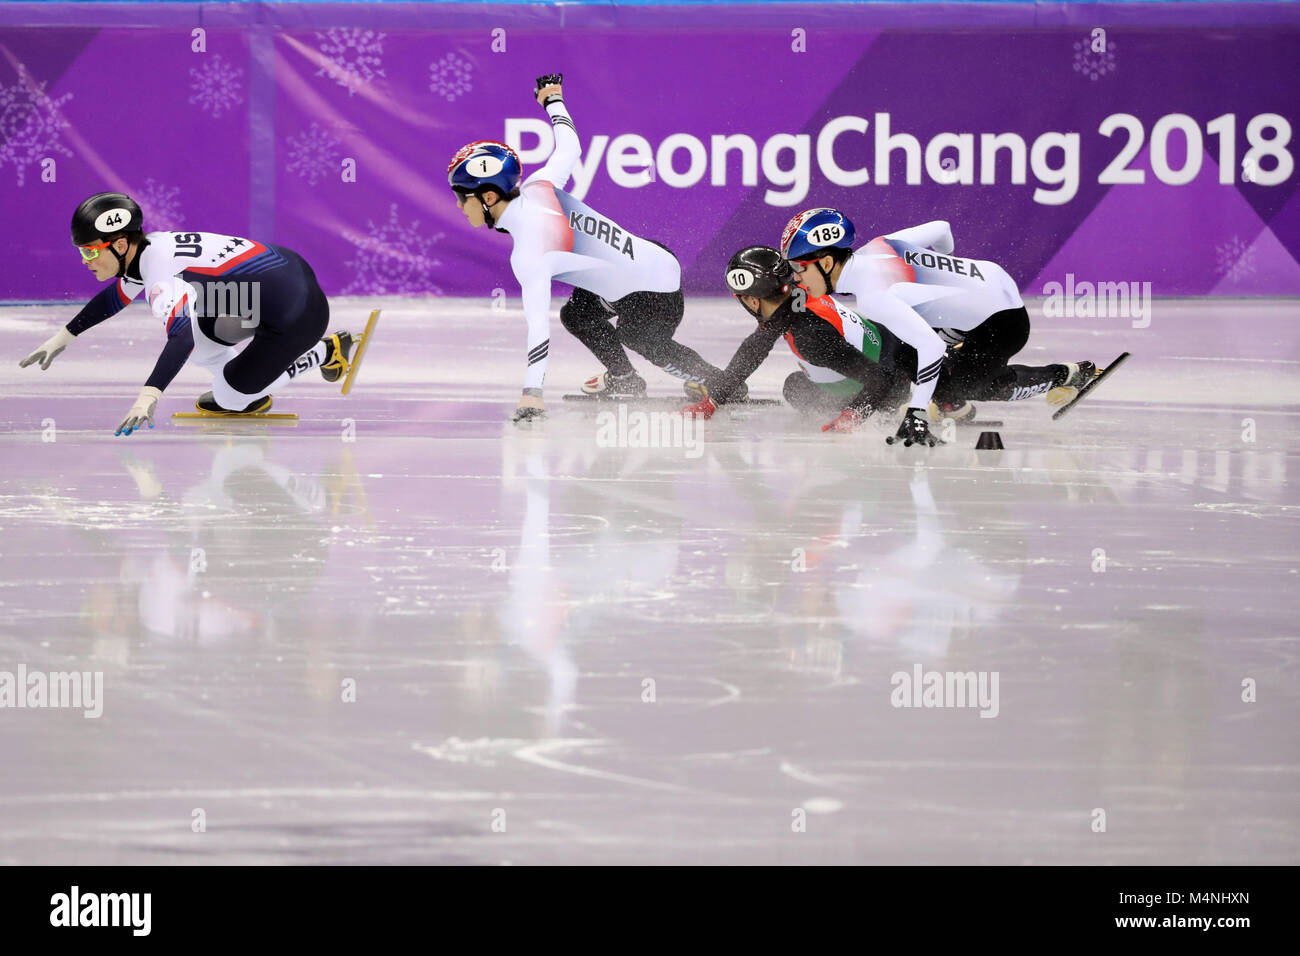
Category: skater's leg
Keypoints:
(588, 320)
(646, 323)
(211, 350)
(286, 342)
(819, 398)
(979, 369)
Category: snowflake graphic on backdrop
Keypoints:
(392, 259)
(215, 85)
(450, 77)
(160, 205)
(313, 154)
(30, 124)
(1234, 260)
(354, 56)
(1091, 64)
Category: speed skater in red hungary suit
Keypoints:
(845, 361)
(614, 273)
(210, 292)
(964, 318)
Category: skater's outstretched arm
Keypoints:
(106, 303)
(568, 148)
(170, 303)
(749, 356)
(936, 235)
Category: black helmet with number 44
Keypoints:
(105, 217)
(760, 271)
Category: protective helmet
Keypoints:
(484, 165)
(816, 230)
(759, 271)
(105, 216)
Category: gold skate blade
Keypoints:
(268, 417)
(362, 345)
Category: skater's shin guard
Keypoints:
(1018, 382)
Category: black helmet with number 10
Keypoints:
(760, 271)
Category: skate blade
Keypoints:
(362, 344)
(1101, 376)
(235, 416)
(665, 401)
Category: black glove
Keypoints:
(547, 80)
(915, 429)
(525, 415)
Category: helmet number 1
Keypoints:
(827, 234)
(484, 166)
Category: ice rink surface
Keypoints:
(567, 652)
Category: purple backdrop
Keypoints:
(328, 129)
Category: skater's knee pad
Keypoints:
(570, 316)
(803, 394)
(232, 328)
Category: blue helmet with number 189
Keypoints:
(814, 231)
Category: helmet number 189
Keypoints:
(825, 235)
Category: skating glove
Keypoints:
(701, 409)
(141, 412)
(550, 79)
(51, 347)
(849, 419)
(915, 430)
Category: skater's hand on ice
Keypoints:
(549, 86)
(51, 347)
(141, 412)
(531, 408)
(701, 409)
(849, 419)
(915, 430)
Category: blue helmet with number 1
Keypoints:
(814, 231)
(485, 165)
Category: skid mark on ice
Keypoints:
(539, 754)
(250, 793)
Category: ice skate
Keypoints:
(208, 405)
(959, 412)
(608, 385)
(352, 366)
(698, 392)
(338, 350)
(1078, 374)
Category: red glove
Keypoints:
(849, 419)
(701, 409)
